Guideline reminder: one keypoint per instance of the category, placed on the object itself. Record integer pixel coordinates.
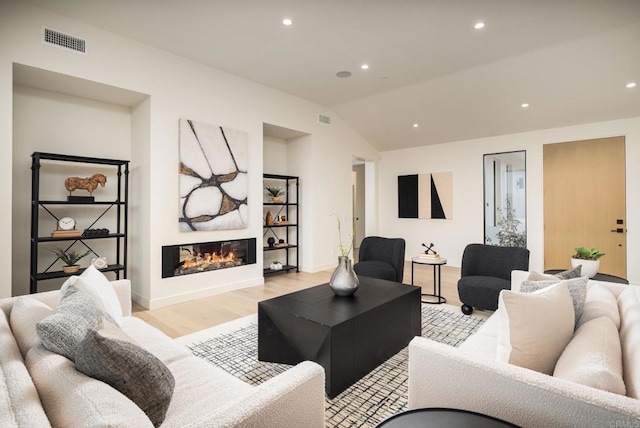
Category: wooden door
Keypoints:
(585, 202)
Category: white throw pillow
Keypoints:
(535, 327)
(517, 277)
(594, 357)
(599, 302)
(537, 276)
(25, 313)
(95, 284)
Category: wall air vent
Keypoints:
(324, 119)
(64, 40)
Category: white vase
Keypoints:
(589, 267)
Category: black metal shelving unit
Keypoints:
(120, 204)
(289, 230)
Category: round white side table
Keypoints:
(437, 278)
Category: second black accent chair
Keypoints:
(381, 258)
(486, 270)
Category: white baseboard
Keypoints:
(142, 301)
(199, 294)
(319, 268)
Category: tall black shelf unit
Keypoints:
(120, 204)
(289, 207)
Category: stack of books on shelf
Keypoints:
(74, 233)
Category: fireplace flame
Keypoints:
(202, 262)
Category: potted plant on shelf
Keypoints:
(589, 259)
(275, 193)
(69, 257)
(275, 265)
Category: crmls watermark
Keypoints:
(625, 424)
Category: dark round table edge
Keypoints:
(599, 276)
(487, 418)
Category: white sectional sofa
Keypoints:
(41, 388)
(470, 377)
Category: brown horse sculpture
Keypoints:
(89, 183)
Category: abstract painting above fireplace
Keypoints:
(213, 177)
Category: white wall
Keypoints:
(179, 88)
(50, 122)
(274, 155)
(464, 159)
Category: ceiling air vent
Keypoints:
(64, 40)
(324, 119)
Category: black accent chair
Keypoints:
(381, 258)
(486, 270)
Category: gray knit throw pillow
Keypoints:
(570, 274)
(63, 330)
(577, 289)
(109, 355)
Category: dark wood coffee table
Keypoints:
(348, 336)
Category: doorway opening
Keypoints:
(363, 197)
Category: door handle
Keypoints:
(619, 230)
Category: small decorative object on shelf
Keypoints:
(275, 265)
(65, 228)
(73, 233)
(269, 219)
(89, 184)
(271, 241)
(99, 262)
(275, 193)
(429, 253)
(89, 233)
(344, 281)
(69, 257)
(66, 223)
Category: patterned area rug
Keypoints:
(378, 395)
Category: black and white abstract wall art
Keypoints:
(427, 196)
(213, 177)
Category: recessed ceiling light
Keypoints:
(364, 66)
(287, 21)
(344, 74)
(479, 25)
(631, 85)
(415, 125)
(524, 105)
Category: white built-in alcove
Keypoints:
(283, 152)
(57, 113)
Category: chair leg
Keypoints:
(467, 310)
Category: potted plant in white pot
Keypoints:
(275, 265)
(589, 259)
(69, 257)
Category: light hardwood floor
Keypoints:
(185, 318)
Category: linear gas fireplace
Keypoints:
(186, 259)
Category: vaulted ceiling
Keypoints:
(568, 59)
